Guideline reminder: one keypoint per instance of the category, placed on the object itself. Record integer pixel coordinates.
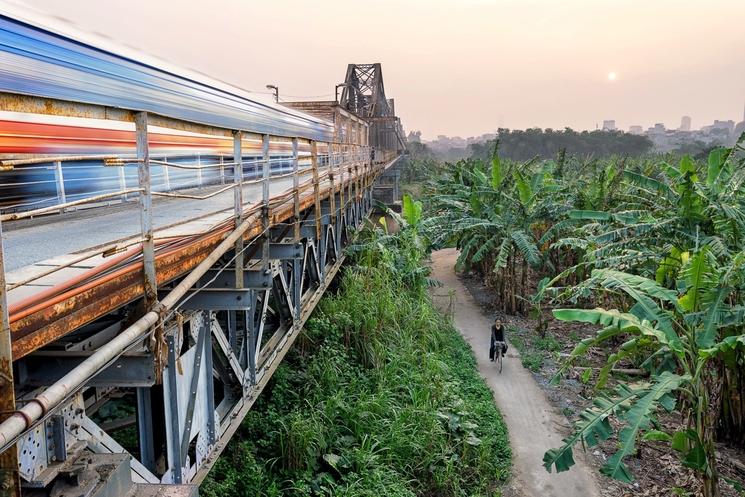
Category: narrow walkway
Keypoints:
(531, 421)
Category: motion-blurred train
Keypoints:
(43, 60)
(47, 137)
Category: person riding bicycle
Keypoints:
(497, 336)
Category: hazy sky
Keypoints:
(458, 67)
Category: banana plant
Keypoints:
(489, 216)
(689, 327)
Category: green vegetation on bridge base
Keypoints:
(380, 396)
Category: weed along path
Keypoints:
(532, 424)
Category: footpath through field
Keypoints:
(532, 423)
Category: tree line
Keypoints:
(522, 145)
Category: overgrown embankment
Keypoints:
(379, 396)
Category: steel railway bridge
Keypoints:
(163, 239)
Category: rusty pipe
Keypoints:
(36, 408)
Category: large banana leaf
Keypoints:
(717, 159)
(643, 291)
(592, 428)
(650, 184)
(700, 277)
(527, 247)
(637, 419)
(412, 210)
(624, 321)
(588, 215)
(523, 188)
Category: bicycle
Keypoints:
(498, 347)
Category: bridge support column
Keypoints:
(145, 431)
(146, 210)
(350, 187)
(10, 482)
(175, 462)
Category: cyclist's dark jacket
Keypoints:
(497, 333)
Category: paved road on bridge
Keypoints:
(31, 241)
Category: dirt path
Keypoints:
(532, 424)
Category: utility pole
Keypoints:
(276, 91)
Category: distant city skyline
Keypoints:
(685, 123)
(458, 67)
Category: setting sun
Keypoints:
(612, 76)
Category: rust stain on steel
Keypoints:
(47, 325)
(87, 306)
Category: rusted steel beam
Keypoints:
(10, 482)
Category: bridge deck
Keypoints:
(33, 247)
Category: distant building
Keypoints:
(609, 125)
(685, 123)
(657, 129)
(636, 130)
(728, 126)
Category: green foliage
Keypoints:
(633, 406)
(412, 210)
(678, 321)
(380, 396)
(650, 251)
(534, 349)
(521, 145)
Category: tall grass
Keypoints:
(382, 399)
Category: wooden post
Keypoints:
(316, 187)
(266, 170)
(146, 210)
(332, 197)
(238, 203)
(340, 160)
(295, 189)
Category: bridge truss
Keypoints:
(198, 366)
(189, 326)
(364, 95)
